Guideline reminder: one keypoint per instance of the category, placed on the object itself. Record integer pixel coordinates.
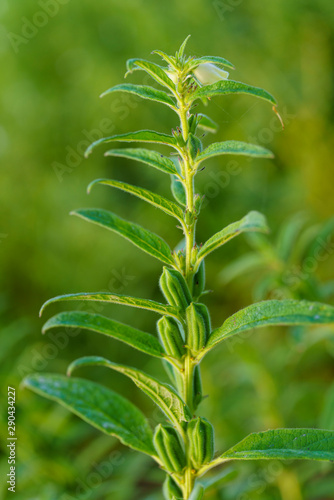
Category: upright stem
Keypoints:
(190, 225)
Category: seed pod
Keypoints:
(175, 288)
(201, 441)
(199, 280)
(198, 396)
(171, 337)
(199, 326)
(169, 449)
(170, 489)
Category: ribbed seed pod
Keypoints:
(167, 444)
(171, 337)
(170, 489)
(199, 280)
(199, 326)
(175, 288)
(201, 441)
(198, 395)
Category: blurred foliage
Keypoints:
(52, 76)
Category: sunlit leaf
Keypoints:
(143, 91)
(233, 148)
(226, 87)
(156, 72)
(218, 61)
(162, 394)
(158, 201)
(280, 444)
(140, 136)
(253, 221)
(114, 298)
(272, 312)
(206, 123)
(147, 241)
(100, 324)
(151, 158)
(104, 409)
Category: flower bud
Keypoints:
(199, 326)
(171, 337)
(201, 441)
(170, 489)
(195, 146)
(175, 288)
(208, 73)
(168, 446)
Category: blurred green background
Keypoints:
(57, 56)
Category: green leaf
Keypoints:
(100, 324)
(143, 91)
(233, 148)
(226, 87)
(219, 479)
(178, 190)
(280, 444)
(162, 394)
(207, 124)
(142, 238)
(253, 221)
(197, 493)
(140, 136)
(167, 206)
(151, 158)
(182, 47)
(113, 298)
(156, 72)
(219, 61)
(169, 59)
(102, 408)
(272, 312)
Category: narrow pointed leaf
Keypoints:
(280, 444)
(207, 124)
(253, 221)
(145, 240)
(100, 324)
(148, 136)
(273, 312)
(166, 57)
(102, 408)
(113, 298)
(144, 91)
(233, 148)
(183, 46)
(162, 394)
(154, 70)
(226, 87)
(219, 61)
(167, 206)
(151, 158)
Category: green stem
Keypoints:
(190, 226)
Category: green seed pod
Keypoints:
(170, 489)
(201, 441)
(171, 337)
(198, 395)
(175, 288)
(199, 326)
(199, 280)
(167, 444)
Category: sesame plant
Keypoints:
(184, 445)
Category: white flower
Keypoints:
(208, 73)
(173, 76)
